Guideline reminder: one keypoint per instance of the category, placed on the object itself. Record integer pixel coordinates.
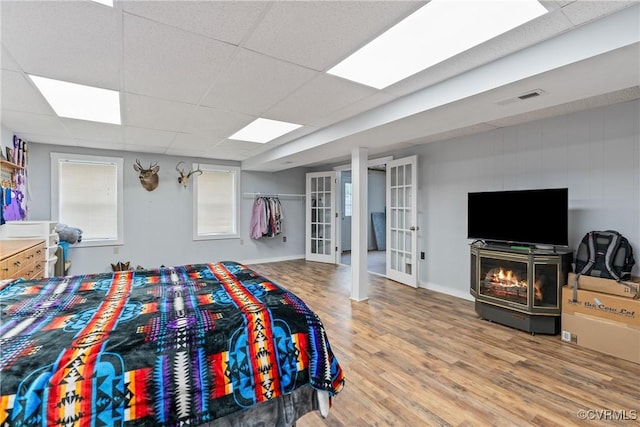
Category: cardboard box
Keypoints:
(600, 305)
(606, 336)
(630, 288)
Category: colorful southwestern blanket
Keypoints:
(184, 345)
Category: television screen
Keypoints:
(538, 217)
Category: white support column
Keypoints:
(359, 223)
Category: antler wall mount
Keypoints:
(184, 176)
(148, 177)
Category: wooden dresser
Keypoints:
(22, 258)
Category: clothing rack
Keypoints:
(278, 195)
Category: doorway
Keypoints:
(376, 218)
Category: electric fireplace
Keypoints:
(518, 286)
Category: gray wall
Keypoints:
(595, 153)
(158, 224)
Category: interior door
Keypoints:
(321, 217)
(402, 221)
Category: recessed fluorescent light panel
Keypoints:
(80, 102)
(435, 32)
(105, 2)
(264, 130)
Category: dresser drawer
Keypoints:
(22, 258)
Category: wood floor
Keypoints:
(376, 261)
(414, 357)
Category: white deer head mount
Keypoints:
(184, 176)
(148, 177)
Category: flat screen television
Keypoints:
(528, 217)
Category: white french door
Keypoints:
(321, 217)
(402, 221)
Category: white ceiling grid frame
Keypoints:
(58, 57)
(617, 30)
(65, 29)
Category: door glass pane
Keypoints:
(313, 246)
(394, 197)
(327, 216)
(314, 185)
(400, 197)
(320, 247)
(407, 196)
(327, 183)
(394, 262)
(313, 230)
(393, 173)
(400, 175)
(327, 199)
(407, 175)
(314, 215)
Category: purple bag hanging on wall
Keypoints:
(12, 209)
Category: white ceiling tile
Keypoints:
(185, 151)
(254, 82)
(7, 62)
(19, 94)
(141, 148)
(48, 139)
(317, 99)
(93, 131)
(43, 124)
(187, 141)
(226, 154)
(297, 31)
(148, 137)
(212, 122)
(580, 12)
(227, 21)
(189, 86)
(154, 113)
(165, 62)
(72, 41)
(102, 145)
(232, 144)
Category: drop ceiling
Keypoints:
(191, 73)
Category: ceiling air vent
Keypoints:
(528, 95)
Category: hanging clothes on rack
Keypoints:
(266, 217)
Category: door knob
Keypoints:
(412, 228)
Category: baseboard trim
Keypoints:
(274, 259)
(446, 290)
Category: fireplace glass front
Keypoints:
(545, 284)
(504, 279)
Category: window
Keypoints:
(347, 199)
(216, 199)
(86, 192)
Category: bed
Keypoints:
(202, 344)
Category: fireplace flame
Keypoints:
(502, 279)
(507, 278)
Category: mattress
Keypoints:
(193, 344)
